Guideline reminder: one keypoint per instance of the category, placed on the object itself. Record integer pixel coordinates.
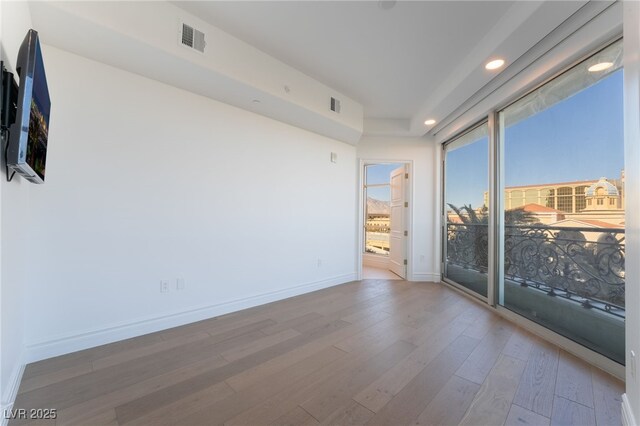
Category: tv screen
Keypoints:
(27, 153)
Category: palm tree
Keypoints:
(468, 244)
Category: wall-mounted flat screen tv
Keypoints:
(27, 150)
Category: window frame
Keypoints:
(495, 205)
(443, 213)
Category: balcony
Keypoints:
(568, 279)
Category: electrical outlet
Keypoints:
(319, 263)
(164, 286)
(180, 284)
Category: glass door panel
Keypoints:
(563, 220)
(466, 182)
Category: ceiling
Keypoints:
(388, 60)
(401, 62)
(409, 62)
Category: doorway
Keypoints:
(384, 220)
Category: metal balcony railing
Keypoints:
(585, 265)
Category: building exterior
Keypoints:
(568, 197)
(545, 215)
(596, 200)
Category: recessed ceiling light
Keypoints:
(430, 122)
(495, 64)
(600, 66)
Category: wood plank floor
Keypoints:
(377, 352)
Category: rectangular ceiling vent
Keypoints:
(335, 105)
(190, 37)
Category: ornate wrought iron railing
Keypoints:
(468, 245)
(585, 265)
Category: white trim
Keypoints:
(494, 271)
(431, 277)
(438, 218)
(9, 396)
(631, 47)
(96, 337)
(360, 219)
(628, 419)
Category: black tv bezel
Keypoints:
(19, 138)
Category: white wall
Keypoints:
(632, 184)
(425, 263)
(14, 221)
(148, 182)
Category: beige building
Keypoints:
(568, 197)
(545, 215)
(599, 200)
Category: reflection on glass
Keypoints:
(564, 195)
(466, 210)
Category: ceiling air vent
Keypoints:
(335, 105)
(192, 38)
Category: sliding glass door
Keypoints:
(557, 241)
(466, 210)
(563, 214)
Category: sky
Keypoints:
(379, 173)
(579, 138)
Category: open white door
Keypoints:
(397, 238)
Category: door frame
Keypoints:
(408, 213)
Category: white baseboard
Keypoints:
(78, 341)
(628, 419)
(10, 393)
(426, 276)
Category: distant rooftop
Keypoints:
(576, 182)
(537, 208)
(610, 189)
